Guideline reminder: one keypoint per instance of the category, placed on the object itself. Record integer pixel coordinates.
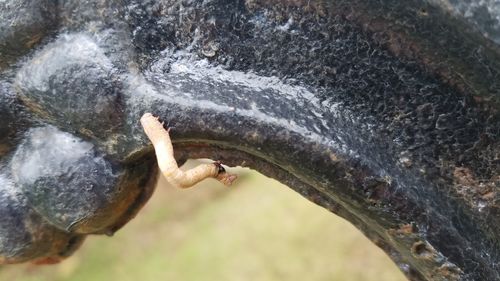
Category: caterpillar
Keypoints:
(162, 144)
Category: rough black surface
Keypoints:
(14, 120)
(24, 235)
(73, 83)
(482, 15)
(63, 178)
(69, 183)
(22, 25)
(7, 124)
(386, 113)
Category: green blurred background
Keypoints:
(257, 229)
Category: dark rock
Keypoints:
(72, 83)
(70, 184)
(14, 120)
(23, 23)
(482, 15)
(385, 112)
(24, 235)
(77, 15)
(7, 123)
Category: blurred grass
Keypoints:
(256, 230)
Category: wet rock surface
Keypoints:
(70, 184)
(22, 25)
(14, 119)
(7, 127)
(63, 178)
(73, 83)
(482, 15)
(386, 114)
(24, 235)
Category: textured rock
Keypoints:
(14, 120)
(71, 82)
(386, 113)
(69, 183)
(483, 15)
(24, 235)
(22, 25)
(7, 125)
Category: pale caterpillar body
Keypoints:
(164, 150)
